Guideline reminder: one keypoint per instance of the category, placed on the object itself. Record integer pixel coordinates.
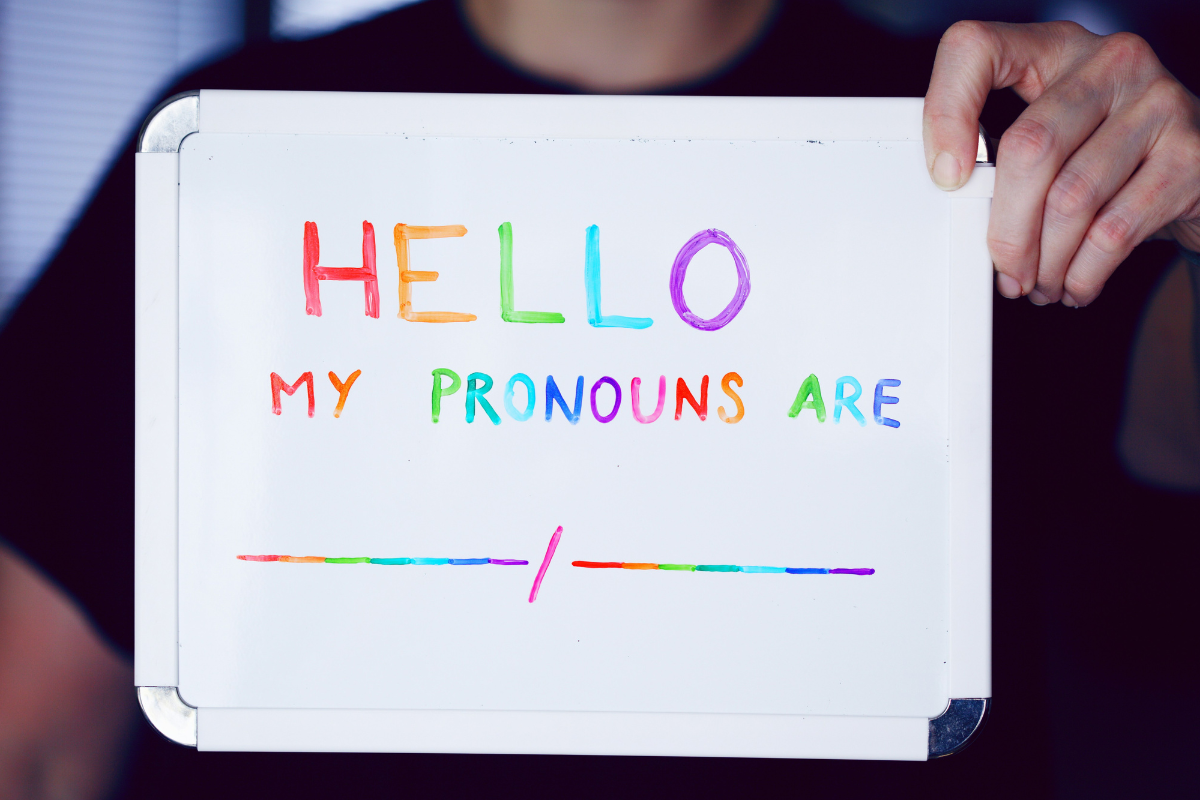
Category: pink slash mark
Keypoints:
(537, 582)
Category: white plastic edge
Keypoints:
(561, 116)
(576, 732)
(970, 445)
(169, 715)
(512, 116)
(155, 413)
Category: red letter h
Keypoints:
(314, 273)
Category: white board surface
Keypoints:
(847, 248)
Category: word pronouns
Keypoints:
(479, 384)
(402, 234)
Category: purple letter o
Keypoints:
(679, 272)
(616, 402)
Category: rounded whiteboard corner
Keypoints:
(167, 712)
(985, 153)
(958, 725)
(170, 123)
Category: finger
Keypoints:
(1159, 192)
(1032, 151)
(1088, 180)
(972, 59)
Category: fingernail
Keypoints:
(1069, 301)
(1008, 285)
(946, 172)
(1037, 298)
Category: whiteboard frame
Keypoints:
(156, 662)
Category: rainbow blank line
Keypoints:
(394, 562)
(721, 568)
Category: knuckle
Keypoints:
(1072, 194)
(1027, 141)
(941, 116)
(1167, 99)
(1112, 234)
(1047, 285)
(1079, 287)
(967, 35)
(1127, 50)
(1069, 29)
(1074, 40)
(1005, 252)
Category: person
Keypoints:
(1100, 152)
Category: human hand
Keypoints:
(1106, 155)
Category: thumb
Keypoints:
(972, 59)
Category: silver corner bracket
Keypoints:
(169, 715)
(169, 123)
(958, 725)
(985, 153)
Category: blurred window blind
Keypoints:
(75, 76)
(303, 19)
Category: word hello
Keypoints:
(402, 234)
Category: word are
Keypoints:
(809, 396)
(402, 234)
(479, 384)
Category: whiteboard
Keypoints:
(796, 562)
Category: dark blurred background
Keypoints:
(1115, 679)
(76, 76)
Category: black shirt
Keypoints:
(1066, 519)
